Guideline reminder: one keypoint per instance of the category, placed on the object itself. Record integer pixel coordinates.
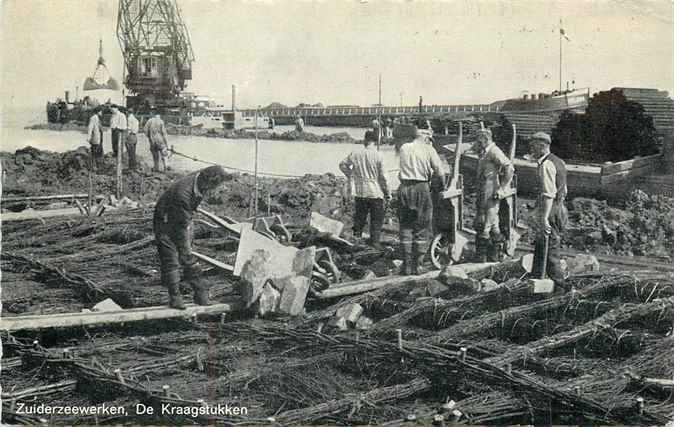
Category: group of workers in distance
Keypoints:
(124, 129)
(419, 164)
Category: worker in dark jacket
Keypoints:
(173, 232)
(552, 216)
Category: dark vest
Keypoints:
(560, 177)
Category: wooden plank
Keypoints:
(67, 320)
(52, 197)
(37, 214)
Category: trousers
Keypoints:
(374, 208)
(130, 143)
(559, 218)
(415, 214)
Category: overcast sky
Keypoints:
(333, 51)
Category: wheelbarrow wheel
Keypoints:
(319, 282)
(281, 232)
(334, 274)
(440, 251)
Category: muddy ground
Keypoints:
(640, 225)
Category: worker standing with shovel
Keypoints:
(552, 216)
(173, 232)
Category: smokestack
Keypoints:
(233, 97)
(67, 96)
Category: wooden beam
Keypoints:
(53, 197)
(214, 262)
(66, 320)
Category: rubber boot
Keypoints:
(201, 296)
(481, 249)
(419, 257)
(496, 248)
(375, 240)
(408, 263)
(175, 298)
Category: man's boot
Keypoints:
(375, 240)
(481, 249)
(201, 296)
(419, 256)
(408, 262)
(496, 248)
(175, 298)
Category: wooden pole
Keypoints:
(120, 151)
(257, 143)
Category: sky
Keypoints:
(292, 51)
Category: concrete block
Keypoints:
(293, 294)
(339, 323)
(268, 301)
(350, 312)
(487, 285)
(364, 323)
(106, 305)
(254, 274)
(325, 224)
(541, 286)
(582, 263)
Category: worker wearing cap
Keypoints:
(118, 128)
(366, 169)
(494, 173)
(132, 138)
(156, 134)
(552, 216)
(419, 163)
(172, 225)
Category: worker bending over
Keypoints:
(366, 169)
(419, 163)
(494, 174)
(173, 232)
(552, 216)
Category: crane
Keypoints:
(157, 52)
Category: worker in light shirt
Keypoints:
(118, 128)
(132, 139)
(419, 163)
(551, 213)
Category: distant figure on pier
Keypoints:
(272, 123)
(421, 103)
(132, 139)
(376, 128)
(95, 139)
(156, 134)
(117, 129)
(389, 127)
(299, 124)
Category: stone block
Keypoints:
(293, 294)
(582, 263)
(487, 285)
(106, 305)
(541, 286)
(268, 300)
(350, 312)
(364, 323)
(339, 323)
(254, 274)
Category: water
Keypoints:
(295, 158)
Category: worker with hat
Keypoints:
(172, 225)
(494, 173)
(551, 212)
(419, 163)
(155, 130)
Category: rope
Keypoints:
(279, 175)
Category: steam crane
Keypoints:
(157, 52)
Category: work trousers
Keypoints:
(415, 215)
(96, 154)
(130, 143)
(559, 218)
(117, 135)
(174, 252)
(365, 206)
(486, 218)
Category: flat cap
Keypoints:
(542, 136)
(485, 132)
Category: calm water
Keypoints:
(275, 157)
